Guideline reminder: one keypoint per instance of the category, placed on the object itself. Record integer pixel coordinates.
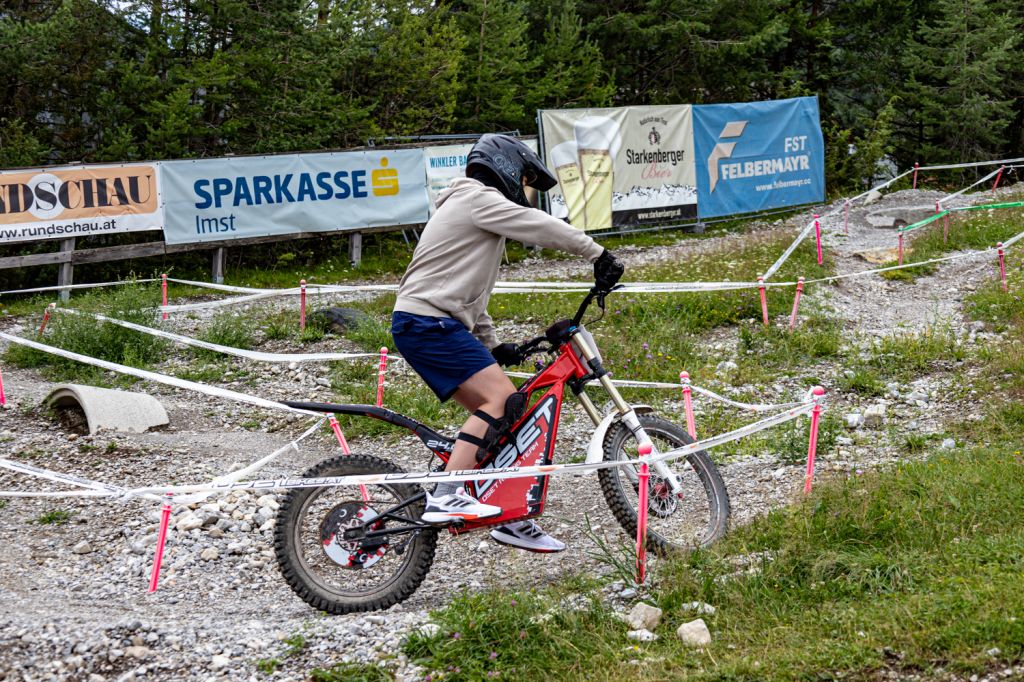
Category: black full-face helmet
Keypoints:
(507, 161)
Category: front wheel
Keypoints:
(319, 546)
(694, 517)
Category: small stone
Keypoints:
(874, 416)
(210, 554)
(429, 629)
(694, 633)
(139, 652)
(948, 444)
(641, 635)
(218, 662)
(323, 382)
(82, 547)
(644, 617)
(994, 652)
(189, 522)
(376, 620)
(700, 607)
(726, 366)
(854, 420)
(628, 593)
(843, 440)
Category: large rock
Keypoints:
(874, 416)
(340, 320)
(694, 633)
(644, 617)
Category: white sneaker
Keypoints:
(527, 535)
(457, 506)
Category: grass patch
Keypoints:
(911, 571)
(967, 230)
(351, 672)
(55, 517)
(227, 329)
(88, 336)
(903, 355)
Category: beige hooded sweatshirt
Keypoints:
(455, 264)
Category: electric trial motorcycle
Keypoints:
(346, 549)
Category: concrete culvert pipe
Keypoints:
(104, 408)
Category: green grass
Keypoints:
(904, 355)
(88, 336)
(227, 329)
(967, 230)
(923, 561)
(55, 517)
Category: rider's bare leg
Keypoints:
(486, 390)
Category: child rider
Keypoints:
(440, 323)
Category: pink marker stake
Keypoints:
(302, 304)
(817, 236)
(161, 539)
(3, 398)
(336, 427)
(899, 249)
(641, 516)
(812, 447)
(945, 228)
(1002, 265)
(764, 300)
(796, 302)
(380, 375)
(916, 166)
(46, 318)
(998, 176)
(691, 425)
(163, 290)
(846, 218)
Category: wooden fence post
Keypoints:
(66, 275)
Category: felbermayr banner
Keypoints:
(241, 197)
(758, 155)
(78, 201)
(445, 163)
(621, 167)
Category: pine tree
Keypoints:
(958, 90)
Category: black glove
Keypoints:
(507, 354)
(607, 271)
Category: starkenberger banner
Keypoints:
(621, 167)
(78, 201)
(242, 197)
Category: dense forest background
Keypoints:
(121, 80)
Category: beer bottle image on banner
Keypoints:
(567, 168)
(598, 140)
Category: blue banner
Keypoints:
(249, 196)
(758, 155)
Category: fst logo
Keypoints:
(723, 150)
(77, 193)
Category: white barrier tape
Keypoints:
(788, 252)
(58, 477)
(226, 350)
(98, 489)
(477, 474)
(310, 288)
(158, 378)
(958, 193)
(77, 286)
(631, 383)
(974, 164)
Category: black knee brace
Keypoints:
(515, 406)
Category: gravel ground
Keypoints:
(74, 605)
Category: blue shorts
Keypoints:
(440, 349)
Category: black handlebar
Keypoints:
(555, 333)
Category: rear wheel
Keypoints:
(340, 574)
(695, 517)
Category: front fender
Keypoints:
(595, 450)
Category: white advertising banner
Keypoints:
(444, 164)
(242, 197)
(620, 167)
(78, 201)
